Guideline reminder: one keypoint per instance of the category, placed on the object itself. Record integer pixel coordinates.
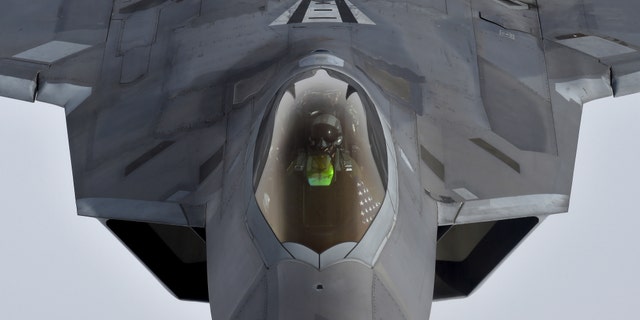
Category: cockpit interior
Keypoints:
(321, 178)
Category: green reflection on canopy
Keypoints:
(319, 170)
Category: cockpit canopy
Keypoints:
(320, 169)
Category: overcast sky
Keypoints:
(56, 265)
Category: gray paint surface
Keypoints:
(51, 270)
(478, 92)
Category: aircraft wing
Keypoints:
(501, 107)
(41, 42)
(152, 91)
(141, 104)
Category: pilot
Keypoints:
(326, 134)
(324, 154)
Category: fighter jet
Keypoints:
(320, 159)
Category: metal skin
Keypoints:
(251, 279)
(475, 105)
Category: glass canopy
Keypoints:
(321, 176)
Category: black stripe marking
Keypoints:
(138, 162)
(497, 153)
(345, 13)
(211, 164)
(322, 9)
(571, 36)
(298, 15)
(141, 5)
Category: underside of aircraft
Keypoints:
(320, 159)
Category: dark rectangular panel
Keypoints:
(459, 279)
(138, 162)
(187, 281)
(497, 153)
(211, 164)
(432, 162)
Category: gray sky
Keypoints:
(56, 265)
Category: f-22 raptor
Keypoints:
(320, 159)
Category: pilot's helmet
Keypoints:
(326, 132)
